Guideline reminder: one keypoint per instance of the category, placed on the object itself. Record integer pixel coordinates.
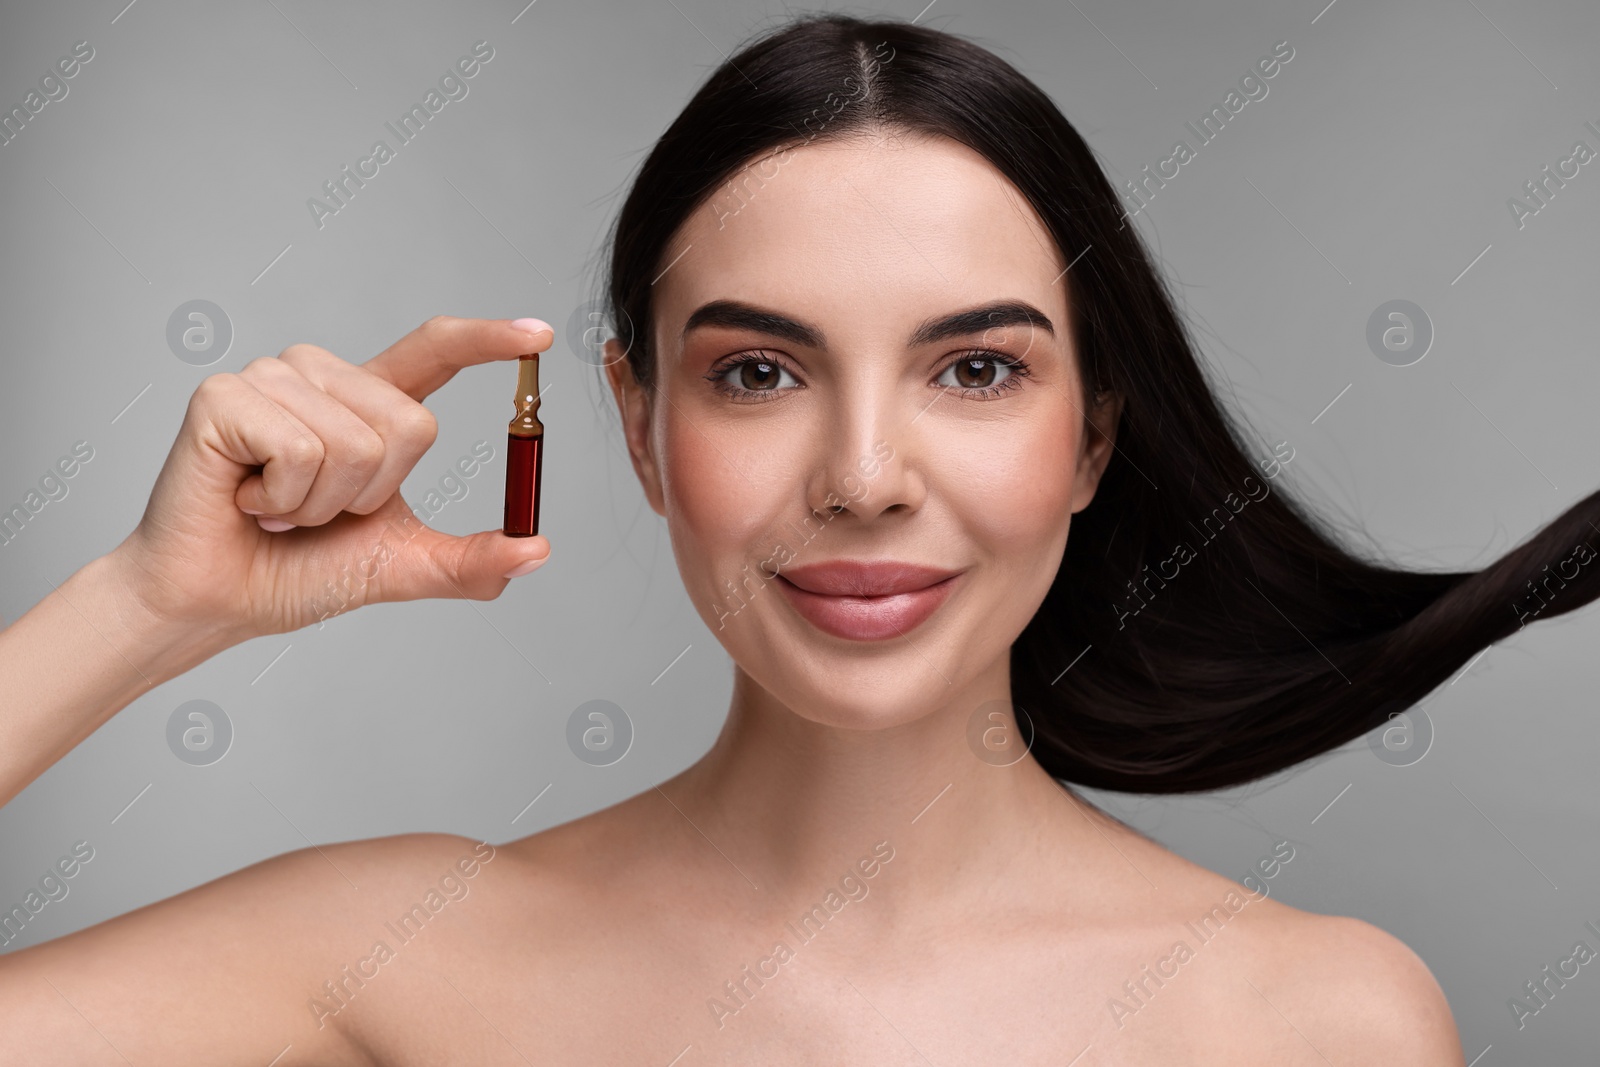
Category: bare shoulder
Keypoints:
(1294, 985)
(229, 971)
(631, 830)
(1363, 991)
(397, 861)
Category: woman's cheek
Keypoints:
(716, 513)
(1014, 486)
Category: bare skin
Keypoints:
(988, 914)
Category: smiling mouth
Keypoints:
(868, 618)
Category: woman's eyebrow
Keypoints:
(994, 315)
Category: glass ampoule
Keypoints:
(524, 453)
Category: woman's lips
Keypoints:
(868, 618)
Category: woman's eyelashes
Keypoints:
(981, 374)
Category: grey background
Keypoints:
(1377, 168)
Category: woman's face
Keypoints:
(821, 411)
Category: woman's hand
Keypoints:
(309, 439)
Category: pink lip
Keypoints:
(866, 601)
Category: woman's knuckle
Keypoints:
(304, 449)
(264, 367)
(302, 353)
(420, 425)
(366, 451)
(213, 389)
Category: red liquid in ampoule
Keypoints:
(524, 456)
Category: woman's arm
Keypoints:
(76, 658)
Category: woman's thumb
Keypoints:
(474, 567)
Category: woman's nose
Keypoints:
(867, 457)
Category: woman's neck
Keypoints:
(791, 803)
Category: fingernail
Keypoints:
(274, 525)
(252, 511)
(532, 325)
(526, 567)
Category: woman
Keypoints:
(928, 438)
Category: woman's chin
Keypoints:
(850, 701)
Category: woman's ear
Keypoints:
(1100, 432)
(633, 404)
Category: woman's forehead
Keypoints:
(876, 233)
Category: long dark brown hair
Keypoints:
(1203, 629)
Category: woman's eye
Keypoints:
(754, 374)
(981, 372)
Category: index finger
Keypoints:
(423, 360)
